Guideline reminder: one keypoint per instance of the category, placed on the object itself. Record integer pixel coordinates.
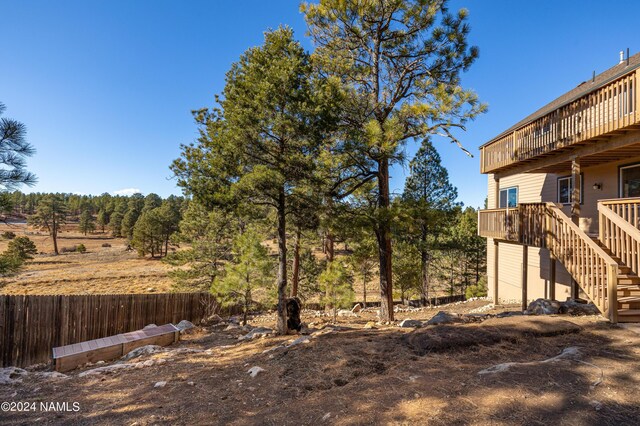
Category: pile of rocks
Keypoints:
(553, 307)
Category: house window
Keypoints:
(565, 187)
(630, 181)
(508, 197)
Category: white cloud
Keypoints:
(126, 191)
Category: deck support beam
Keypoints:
(552, 276)
(525, 264)
(495, 272)
(575, 192)
(575, 289)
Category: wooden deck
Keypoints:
(584, 125)
(108, 348)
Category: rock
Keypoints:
(543, 307)
(52, 375)
(254, 371)
(299, 340)
(107, 369)
(191, 383)
(10, 375)
(345, 313)
(572, 352)
(232, 326)
(308, 330)
(443, 317)
(509, 314)
(151, 290)
(370, 325)
(212, 320)
(576, 307)
(148, 326)
(476, 317)
(184, 325)
(142, 350)
(160, 384)
(409, 323)
(597, 405)
(356, 308)
(257, 332)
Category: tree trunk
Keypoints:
(54, 233)
(282, 266)
(364, 290)
(295, 275)
(329, 251)
(383, 235)
(424, 263)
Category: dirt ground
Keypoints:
(360, 376)
(101, 270)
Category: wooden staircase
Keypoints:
(628, 290)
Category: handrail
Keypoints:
(619, 236)
(585, 260)
(593, 245)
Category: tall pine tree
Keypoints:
(400, 61)
(428, 200)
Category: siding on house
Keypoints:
(532, 188)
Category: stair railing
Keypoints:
(595, 271)
(618, 233)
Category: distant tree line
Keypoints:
(146, 221)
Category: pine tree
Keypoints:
(336, 286)
(400, 63)
(86, 222)
(51, 214)
(22, 247)
(250, 269)
(13, 150)
(135, 204)
(428, 200)
(102, 219)
(259, 148)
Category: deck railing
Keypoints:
(618, 230)
(612, 107)
(546, 225)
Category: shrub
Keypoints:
(81, 248)
(477, 290)
(8, 235)
(106, 245)
(22, 247)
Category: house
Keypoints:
(564, 198)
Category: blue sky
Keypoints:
(106, 88)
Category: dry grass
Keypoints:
(100, 270)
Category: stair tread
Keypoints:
(629, 312)
(627, 299)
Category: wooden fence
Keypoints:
(30, 326)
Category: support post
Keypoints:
(496, 182)
(495, 273)
(575, 193)
(575, 289)
(525, 264)
(612, 292)
(552, 276)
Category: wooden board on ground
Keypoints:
(108, 348)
